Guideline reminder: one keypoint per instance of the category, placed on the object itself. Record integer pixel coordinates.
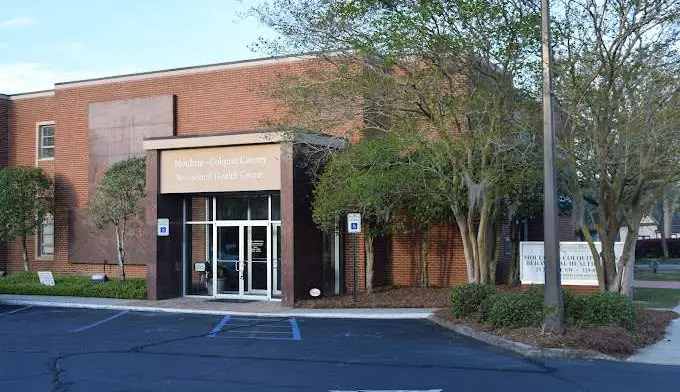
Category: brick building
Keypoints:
(229, 187)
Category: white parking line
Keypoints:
(17, 310)
(98, 323)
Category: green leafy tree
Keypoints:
(448, 69)
(618, 82)
(26, 197)
(364, 178)
(118, 201)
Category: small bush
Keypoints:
(606, 309)
(573, 305)
(466, 299)
(71, 285)
(513, 310)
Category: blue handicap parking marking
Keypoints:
(235, 327)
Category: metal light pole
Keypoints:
(554, 319)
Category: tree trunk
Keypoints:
(425, 255)
(667, 225)
(625, 267)
(370, 256)
(513, 274)
(483, 234)
(467, 244)
(597, 260)
(496, 254)
(24, 254)
(121, 252)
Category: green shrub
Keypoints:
(71, 285)
(466, 299)
(573, 304)
(607, 308)
(513, 310)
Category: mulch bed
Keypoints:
(612, 340)
(393, 297)
(385, 297)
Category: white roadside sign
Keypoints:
(576, 262)
(354, 223)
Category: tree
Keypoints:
(662, 212)
(364, 178)
(618, 83)
(118, 201)
(448, 69)
(25, 200)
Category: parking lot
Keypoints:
(55, 349)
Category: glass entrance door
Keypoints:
(242, 259)
(258, 260)
(228, 255)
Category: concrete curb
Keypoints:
(377, 314)
(522, 349)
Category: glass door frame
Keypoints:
(245, 260)
(274, 266)
(239, 263)
(272, 293)
(250, 292)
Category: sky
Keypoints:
(43, 42)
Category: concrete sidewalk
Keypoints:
(212, 306)
(657, 284)
(666, 351)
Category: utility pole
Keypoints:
(554, 318)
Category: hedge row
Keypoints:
(76, 286)
(514, 310)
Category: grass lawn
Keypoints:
(661, 275)
(76, 286)
(658, 298)
(659, 260)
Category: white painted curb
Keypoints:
(375, 315)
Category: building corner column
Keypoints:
(150, 215)
(287, 225)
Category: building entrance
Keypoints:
(234, 258)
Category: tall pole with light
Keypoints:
(554, 318)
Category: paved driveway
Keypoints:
(51, 349)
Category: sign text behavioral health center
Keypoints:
(237, 168)
(576, 262)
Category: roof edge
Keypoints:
(186, 70)
(32, 94)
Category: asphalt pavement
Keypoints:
(56, 349)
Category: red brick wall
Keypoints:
(24, 114)
(4, 125)
(230, 100)
(207, 102)
(446, 261)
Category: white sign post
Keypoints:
(163, 227)
(354, 227)
(577, 267)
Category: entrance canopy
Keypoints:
(236, 205)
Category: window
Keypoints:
(46, 141)
(46, 237)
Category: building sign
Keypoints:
(221, 169)
(576, 263)
(354, 223)
(163, 227)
